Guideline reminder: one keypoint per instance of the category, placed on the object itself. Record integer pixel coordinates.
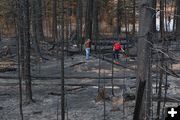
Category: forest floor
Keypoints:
(82, 99)
(81, 93)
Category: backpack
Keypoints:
(117, 46)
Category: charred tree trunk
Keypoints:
(126, 26)
(62, 60)
(27, 51)
(79, 24)
(154, 17)
(95, 22)
(118, 18)
(174, 18)
(54, 20)
(68, 24)
(140, 113)
(19, 54)
(24, 47)
(0, 33)
(88, 19)
(21, 40)
(178, 21)
(134, 17)
(37, 25)
(162, 57)
(39, 20)
(34, 28)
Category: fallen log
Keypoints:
(7, 69)
(79, 63)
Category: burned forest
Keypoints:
(89, 59)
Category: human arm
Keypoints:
(113, 48)
(122, 50)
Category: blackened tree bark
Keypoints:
(54, 19)
(21, 39)
(37, 24)
(178, 20)
(143, 60)
(174, 19)
(79, 23)
(118, 16)
(154, 17)
(24, 47)
(88, 19)
(27, 51)
(162, 30)
(62, 60)
(134, 17)
(0, 33)
(39, 20)
(19, 54)
(95, 22)
(68, 23)
(126, 25)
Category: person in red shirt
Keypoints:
(116, 48)
(87, 48)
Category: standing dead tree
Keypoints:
(88, 19)
(162, 30)
(140, 113)
(61, 5)
(134, 17)
(178, 22)
(37, 25)
(54, 20)
(154, 18)
(95, 22)
(118, 16)
(27, 52)
(24, 47)
(79, 23)
(19, 53)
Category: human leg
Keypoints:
(116, 55)
(87, 53)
